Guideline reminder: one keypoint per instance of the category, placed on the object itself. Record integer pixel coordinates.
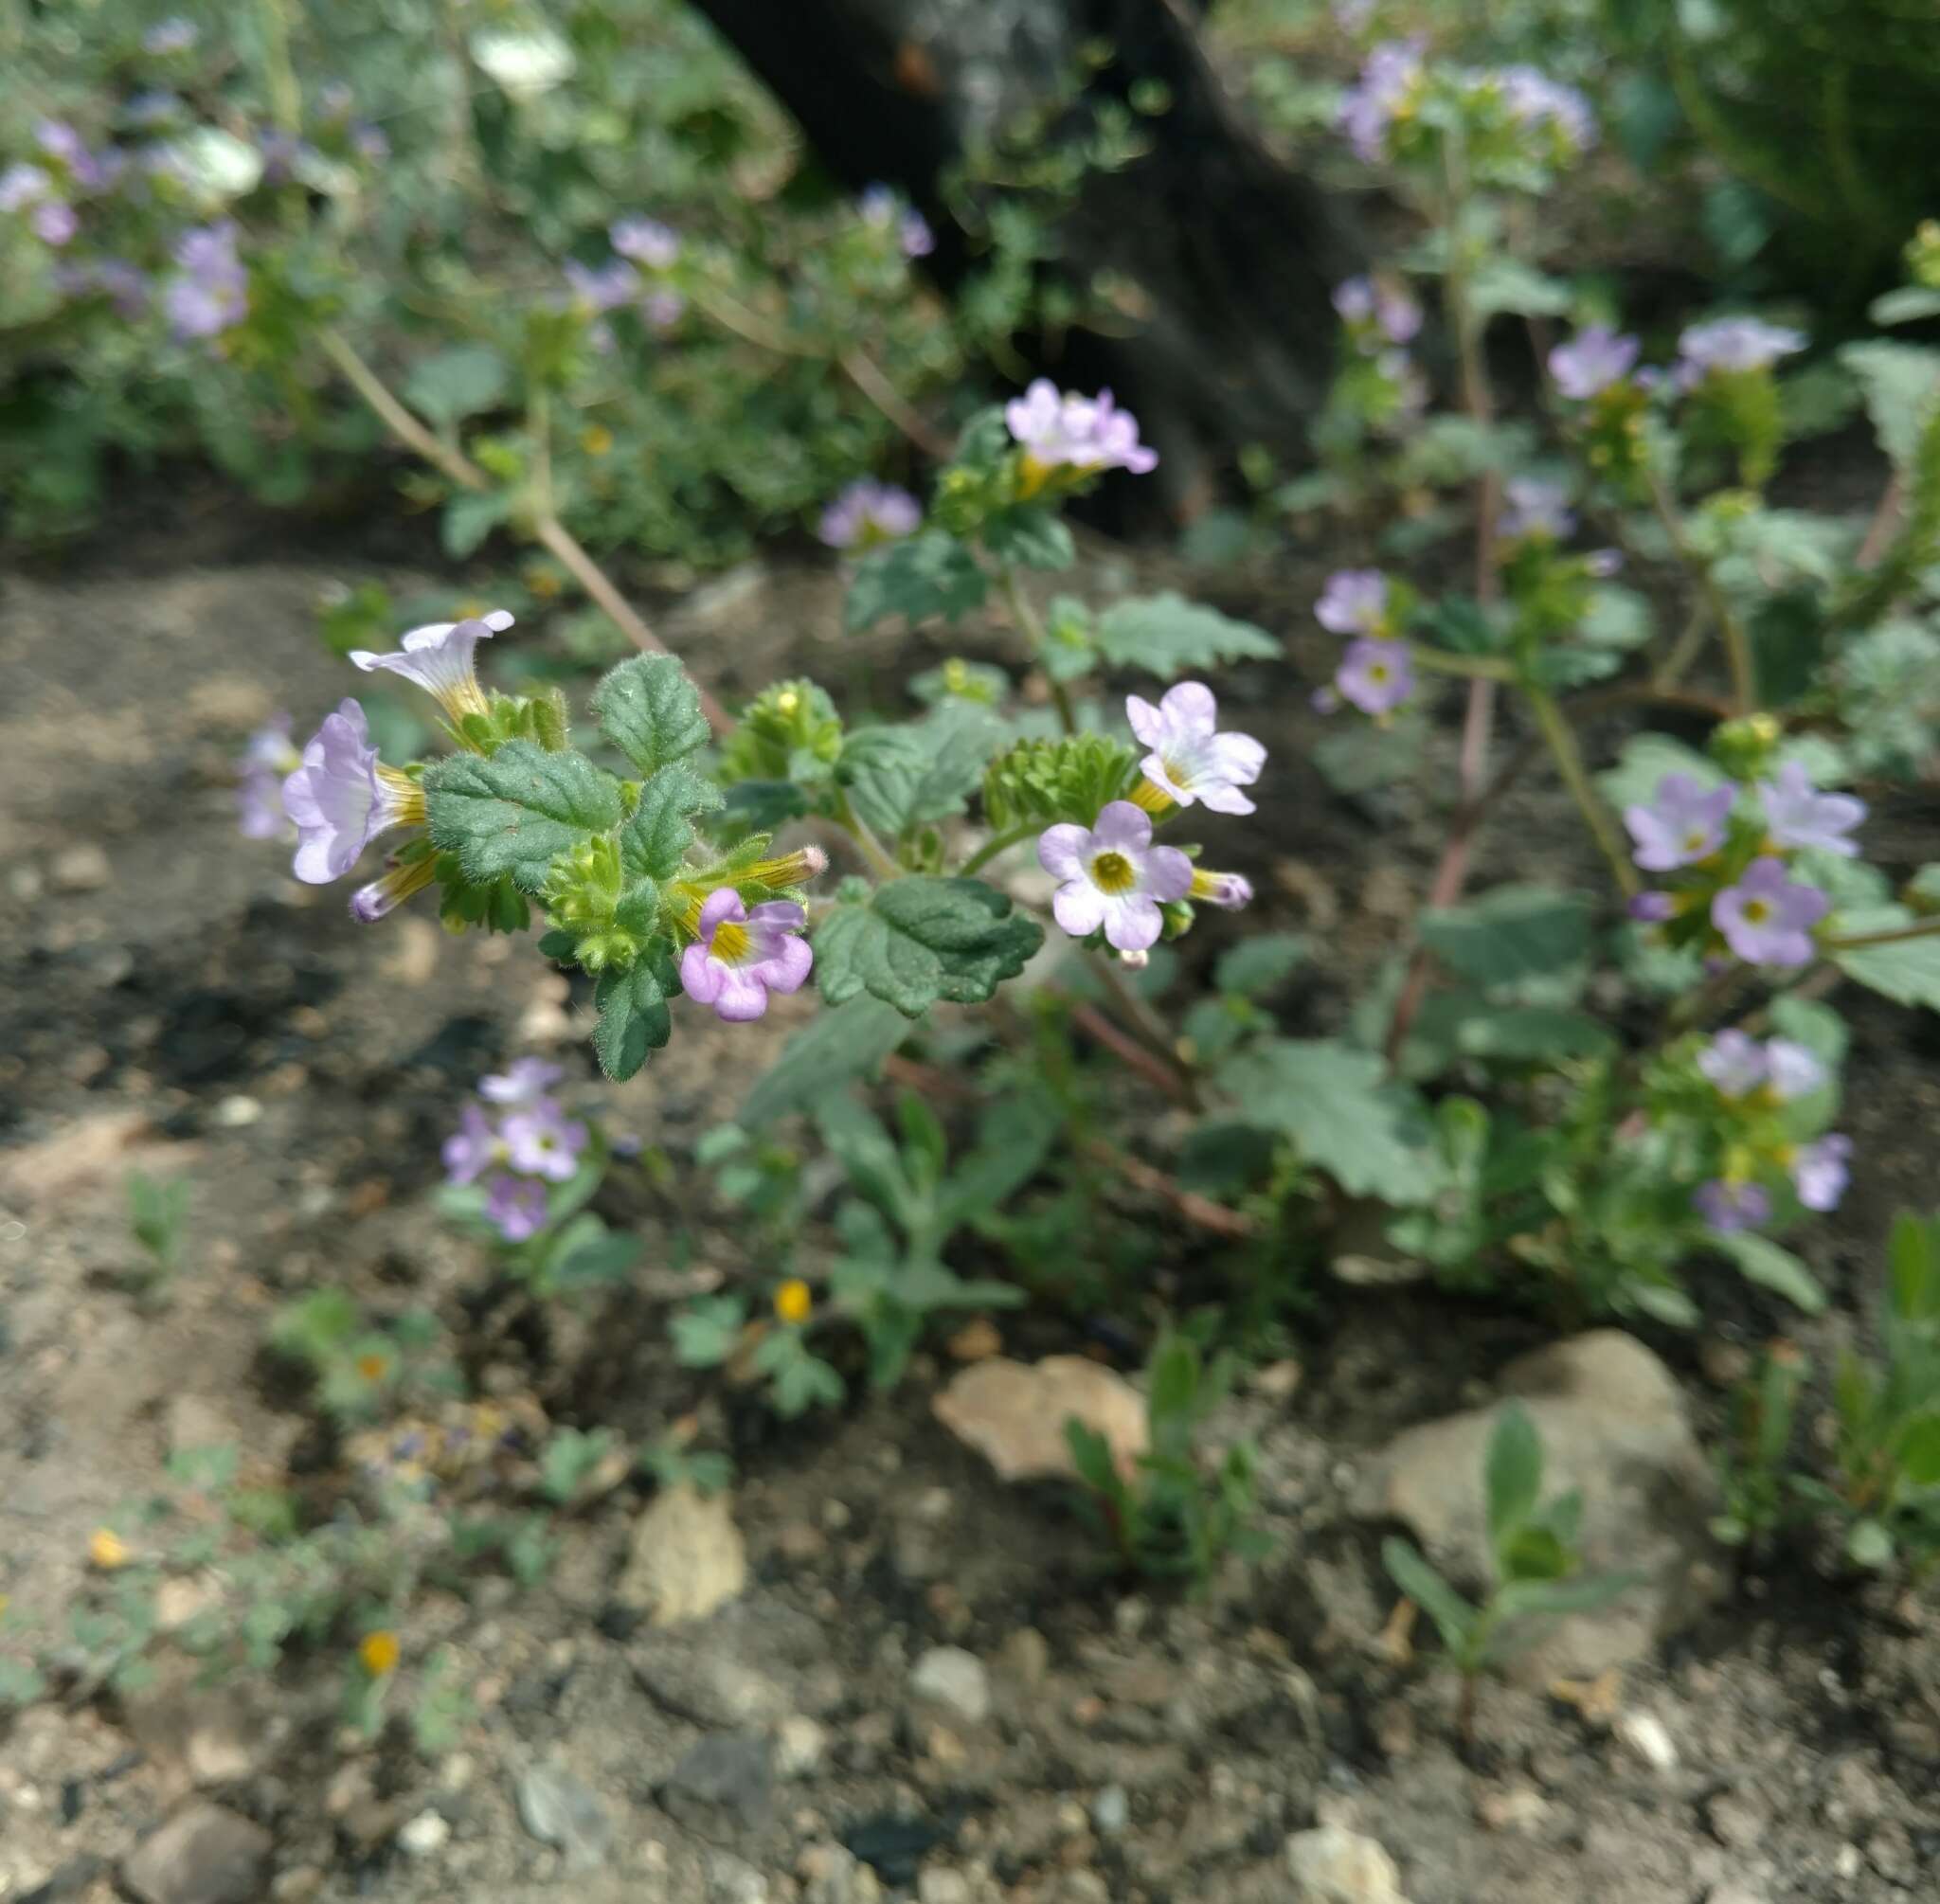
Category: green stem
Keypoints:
(1025, 618)
(279, 75)
(1470, 667)
(1926, 928)
(1152, 1029)
(1002, 842)
(862, 835)
(1561, 739)
(1737, 644)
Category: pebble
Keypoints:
(1733, 1894)
(731, 1770)
(941, 1885)
(426, 1835)
(557, 1809)
(1333, 1865)
(954, 1680)
(1112, 1810)
(831, 1873)
(800, 1746)
(81, 869)
(687, 1559)
(1025, 1657)
(1647, 1737)
(202, 1855)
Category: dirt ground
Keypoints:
(172, 998)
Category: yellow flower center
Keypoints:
(730, 942)
(1696, 841)
(1756, 913)
(1113, 873)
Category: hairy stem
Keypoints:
(1032, 627)
(1002, 842)
(1561, 739)
(1737, 644)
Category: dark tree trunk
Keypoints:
(1231, 255)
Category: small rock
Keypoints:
(1112, 1811)
(1333, 1865)
(954, 1680)
(557, 1809)
(941, 1885)
(298, 1884)
(731, 1771)
(1646, 1736)
(687, 1559)
(1515, 1807)
(976, 1341)
(81, 869)
(1025, 1657)
(1014, 1414)
(426, 1835)
(733, 1880)
(800, 1746)
(708, 1685)
(202, 1855)
(1613, 1426)
(831, 1873)
(1736, 1820)
(1730, 1892)
(1277, 1381)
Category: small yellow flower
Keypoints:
(596, 439)
(378, 1653)
(107, 1550)
(373, 1368)
(793, 1301)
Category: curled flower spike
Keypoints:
(439, 659)
(516, 1205)
(1376, 675)
(1768, 919)
(1113, 876)
(1682, 824)
(1591, 361)
(868, 513)
(743, 954)
(1798, 815)
(1190, 761)
(1230, 890)
(542, 1141)
(342, 797)
(1069, 431)
(1355, 601)
(524, 1080)
(369, 904)
(1730, 1206)
(1819, 1172)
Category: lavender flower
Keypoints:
(61, 141)
(1190, 761)
(342, 797)
(1819, 1172)
(170, 36)
(868, 513)
(1086, 434)
(54, 223)
(439, 659)
(1768, 919)
(663, 309)
(267, 759)
(646, 240)
(120, 283)
(1736, 1063)
(1651, 908)
(542, 1141)
(524, 1081)
(1791, 1071)
(1376, 675)
(370, 143)
(1733, 344)
(518, 1206)
(1392, 313)
(210, 292)
(743, 954)
(1798, 815)
(22, 185)
(474, 1148)
(1390, 78)
(1591, 361)
(1534, 99)
(601, 288)
(1113, 876)
(1355, 601)
(1536, 508)
(1682, 825)
(881, 210)
(1730, 1206)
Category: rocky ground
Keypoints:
(874, 1669)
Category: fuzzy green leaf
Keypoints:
(1259, 963)
(634, 1018)
(656, 832)
(901, 777)
(1335, 1104)
(1453, 1616)
(1902, 384)
(1509, 935)
(920, 576)
(461, 382)
(1166, 634)
(1512, 1473)
(917, 942)
(1907, 972)
(651, 712)
(517, 811)
(1772, 1266)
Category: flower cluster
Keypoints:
(882, 210)
(1377, 672)
(1082, 436)
(209, 292)
(1113, 878)
(1379, 321)
(1756, 1083)
(524, 1143)
(1382, 114)
(868, 513)
(1734, 889)
(643, 249)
